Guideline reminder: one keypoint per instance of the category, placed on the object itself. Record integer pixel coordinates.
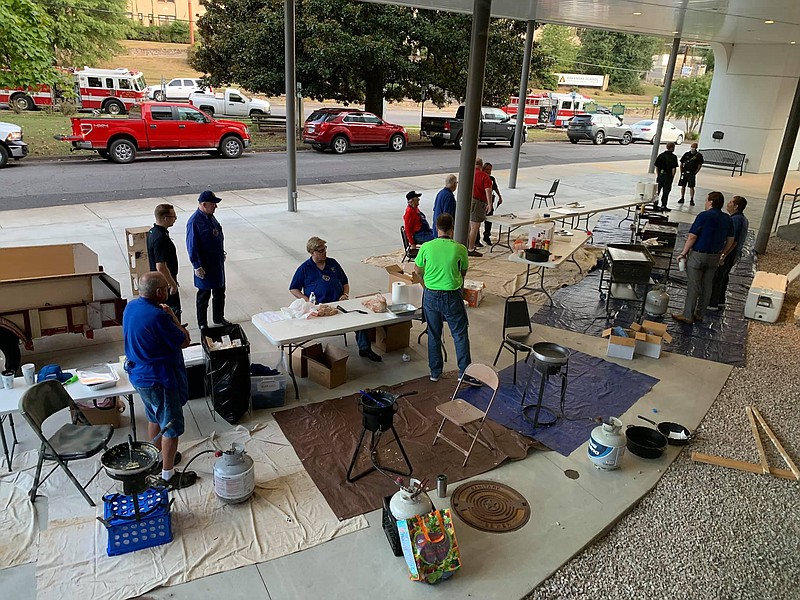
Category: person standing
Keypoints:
(445, 201)
(417, 229)
(666, 165)
(154, 339)
(162, 254)
(710, 238)
(481, 200)
(325, 278)
(487, 227)
(442, 265)
(691, 163)
(740, 226)
(206, 245)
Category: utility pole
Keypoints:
(191, 25)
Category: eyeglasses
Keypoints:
(320, 250)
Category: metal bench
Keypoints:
(269, 122)
(724, 159)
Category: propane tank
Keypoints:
(410, 501)
(656, 302)
(607, 445)
(234, 475)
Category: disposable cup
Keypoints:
(29, 373)
(7, 379)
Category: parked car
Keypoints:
(598, 128)
(176, 89)
(342, 128)
(11, 144)
(496, 126)
(231, 103)
(158, 127)
(646, 131)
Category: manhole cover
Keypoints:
(490, 506)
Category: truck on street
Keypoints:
(231, 103)
(496, 126)
(158, 127)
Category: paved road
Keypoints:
(31, 184)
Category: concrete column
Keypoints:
(479, 42)
(291, 106)
(662, 111)
(523, 94)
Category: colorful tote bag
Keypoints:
(429, 546)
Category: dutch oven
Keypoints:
(645, 442)
(537, 255)
(676, 434)
(378, 408)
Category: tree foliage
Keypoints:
(688, 98)
(26, 57)
(351, 51)
(559, 43)
(85, 31)
(624, 56)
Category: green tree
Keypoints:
(624, 56)
(559, 43)
(352, 51)
(26, 57)
(688, 98)
(85, 31)
(708, 58)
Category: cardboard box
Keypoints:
(650, 337)
(393, 337)
(328, 366)
(406, 274)
(472, 292)
(300, 359)
(620, 347)
(99, 416)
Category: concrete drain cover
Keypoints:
(490, 506)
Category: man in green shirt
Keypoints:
(442, 264)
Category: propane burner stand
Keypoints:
(549, 359)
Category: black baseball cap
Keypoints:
(412, 194)
(208, 196)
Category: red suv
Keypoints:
(341, 128)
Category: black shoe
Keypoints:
(681, 201)
(469, 380)
(178, 481)
(665, 209)
(370, 355)
(488, 242)
(223, 321)
(478, 244)
(691, 202)
(474, 253)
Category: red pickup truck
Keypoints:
(158, 127)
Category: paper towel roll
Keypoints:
(640, 188)
(650, 191)
(399, 293)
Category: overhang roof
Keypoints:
(724, 21)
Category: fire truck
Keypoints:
(548, 109)
(113, 91)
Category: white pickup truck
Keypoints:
(233, 103)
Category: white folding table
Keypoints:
(294, 333)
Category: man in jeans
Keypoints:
(740, 226)
(710, 238)
(154, 339)
(442, 264)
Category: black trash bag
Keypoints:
(230, 387)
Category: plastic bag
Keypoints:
(376, 304)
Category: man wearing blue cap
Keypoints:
(205, 243)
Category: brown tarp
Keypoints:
(325, 435)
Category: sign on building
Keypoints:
(581, 80)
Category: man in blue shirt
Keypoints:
(445, 201)
(710, 238)
(740, 226)
(326, 279)
(206, 245)
(154, 339)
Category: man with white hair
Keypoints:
(445, 201)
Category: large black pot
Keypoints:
(378, 408)
(676, 434)
(645, 442)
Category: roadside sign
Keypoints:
(618, 110)
(655, 100)
(590, 107)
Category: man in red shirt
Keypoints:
(481, 200)
(417, 229)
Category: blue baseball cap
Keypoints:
(48, 372)
(208, 196)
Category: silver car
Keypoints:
(599, 128)
(11, 144)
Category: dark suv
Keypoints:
(598, 128)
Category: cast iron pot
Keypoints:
(378, 408)
(537, 255)
(645, 442)
(667, 427)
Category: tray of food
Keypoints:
(402, 309)
(98, 377)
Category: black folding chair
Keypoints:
(516, 317)
(73, 441)
(551, 195)
(410, 253)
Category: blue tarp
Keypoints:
(721, 337)
(595, 388)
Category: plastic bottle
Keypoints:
(682, 264)
(312, 298)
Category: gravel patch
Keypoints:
(706, 531)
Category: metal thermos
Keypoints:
(441, 486)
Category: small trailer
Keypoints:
(47, 290)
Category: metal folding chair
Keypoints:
(410, 253)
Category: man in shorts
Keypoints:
(154, 339)
(691, 163)
(481, 201)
